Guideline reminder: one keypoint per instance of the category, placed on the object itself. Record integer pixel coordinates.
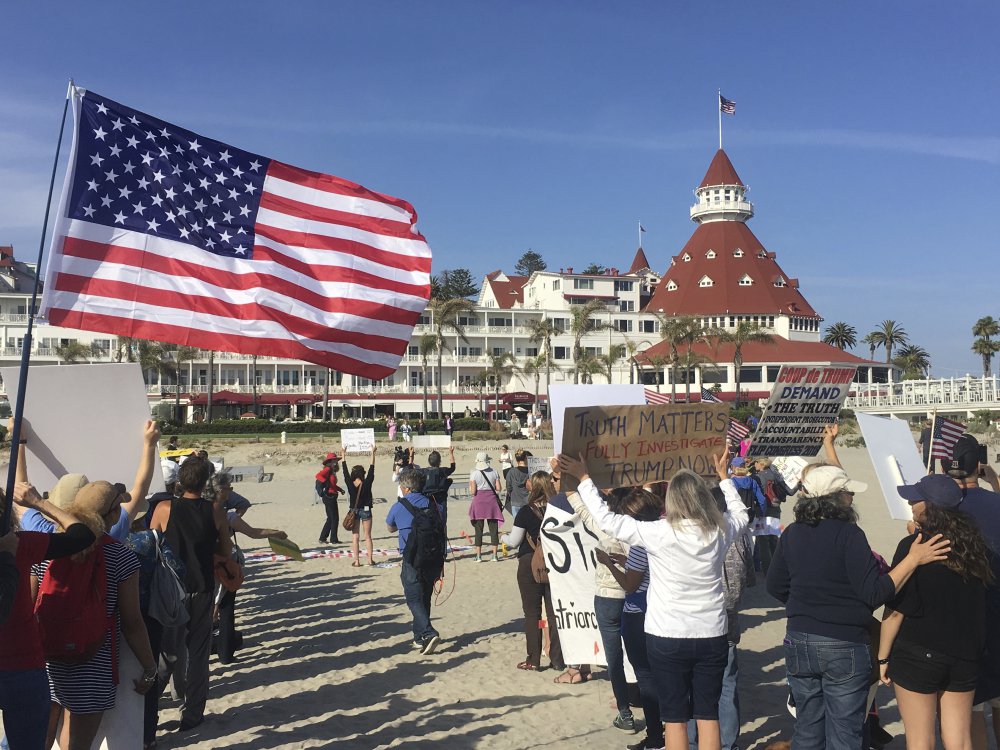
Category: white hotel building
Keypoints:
(722, 275)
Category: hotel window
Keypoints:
(626, 305)
(648, 326)
(779, 282)
(560, 352)
(555, 285)
(560, 324)
(762, 254)
(500, 322)
(705, 281)
(685, 257)
(623, 286)
(772, 373)
(475, 351)
(770, 321)
(583, 283)
(737, 253)
(464, 320)
(671, 285)
(531, 351)
(623, 325)
(750, 375)
(710, 254)
(594, 351)
(498, 351)
(413, 351)
(746, 280)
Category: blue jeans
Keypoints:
(609, 622)
(634, 636)
(828, 679)
(418, 587)
(729, 707)
(24, 700)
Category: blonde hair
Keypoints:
(690, 499)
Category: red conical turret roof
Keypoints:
(721, 172)
(639, 263)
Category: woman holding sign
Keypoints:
(686, 620)
(359, 490)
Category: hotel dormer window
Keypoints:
(745, 280)
(762, 254)
(705, 281)
(737, 253)
(778, 281)
(671, 286)
(710, 254)
(686, 258)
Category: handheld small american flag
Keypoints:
(727, 106)
(166, 235)
(707, 397)
(946, 433)
(652, 397)
(737, 431)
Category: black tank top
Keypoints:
(192, 536)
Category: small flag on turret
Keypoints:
(727, 106)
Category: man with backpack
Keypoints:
(423, 545)
(437, 482)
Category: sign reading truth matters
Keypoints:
(631, 445)
(804, 400)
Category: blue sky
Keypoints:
(867, 132)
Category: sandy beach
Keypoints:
(327, 660)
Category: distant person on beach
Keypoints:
(359, 491)
(405, 430)
(418, 578)
(934, 629)
(505, 460)
(391, 427)
(984, 506)
(526, 537)
(449, 425)
(421, 427)
(486, 507)
(924, 443)
(328, 491)
(686, 620)
(516, 481)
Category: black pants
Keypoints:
(766, 545)
(330, 528)
(226, 643)
(151, 710)
(532, 596)
(494, 532)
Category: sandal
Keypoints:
(572, 677)
(355, 564)
(527, 666)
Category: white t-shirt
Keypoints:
(685, 597)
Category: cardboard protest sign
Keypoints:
(564, 396)
(285, 547)
(631, 445)
(83, 419)
(570, 557)
(803, 401)
(360, 440)
(895, 458)
(538, 463)
(431, 441)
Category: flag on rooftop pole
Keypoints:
(707, 397)
(726, 106)
(944, 434)
(167, 235)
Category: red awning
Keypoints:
(221, 398)
(286, 399)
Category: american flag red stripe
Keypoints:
(652, 397)
(152, 246)
(737, 431)
(946, 433)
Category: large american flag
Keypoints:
(946, 434)
(737, 431)
(166, 235)
(652, 397)
(727, 106)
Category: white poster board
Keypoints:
(563, 396)
(790, 468)
(803, 401)
(570, 557)
(431, 441)
(895, 458)
(83, 419)
(360, 440)
(538, 463)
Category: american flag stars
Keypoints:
(134, 172)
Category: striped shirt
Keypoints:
(635, 602)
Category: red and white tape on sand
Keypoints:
(318, 554)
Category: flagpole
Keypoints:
(22, 383)
(640, 234)
(718, 103)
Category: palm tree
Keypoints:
(841, 335)
(692, 361)
(913, 360)
(986, 349)
(125, 349)
(581, 324)
(586, 366)
(658, 362)
(873, 343)
(184, 354)
(326, 395)
(72, 352)
(444, 318)
(744, 333)
(153, 356)
(534, 368)
(986, 327)
(609, 360)
(479, 381)
(677, 332)
(211, 383)
(541, 332)
(426, 347)
(889, 335)
(500, 366)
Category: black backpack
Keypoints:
(436, 484)
(749, 498)
(427, 545)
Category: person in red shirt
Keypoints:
(328, 491)
(24, 687)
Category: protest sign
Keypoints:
(631, 445)
(563, 396)
(84, 419)
(895, 458)
(803, 401)
(570, 557)
(360, 440)
(790, 468)
(538, 463)
(431, 441)
(285, 547)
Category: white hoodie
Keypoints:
(685, 597)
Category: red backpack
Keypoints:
(71, 607)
